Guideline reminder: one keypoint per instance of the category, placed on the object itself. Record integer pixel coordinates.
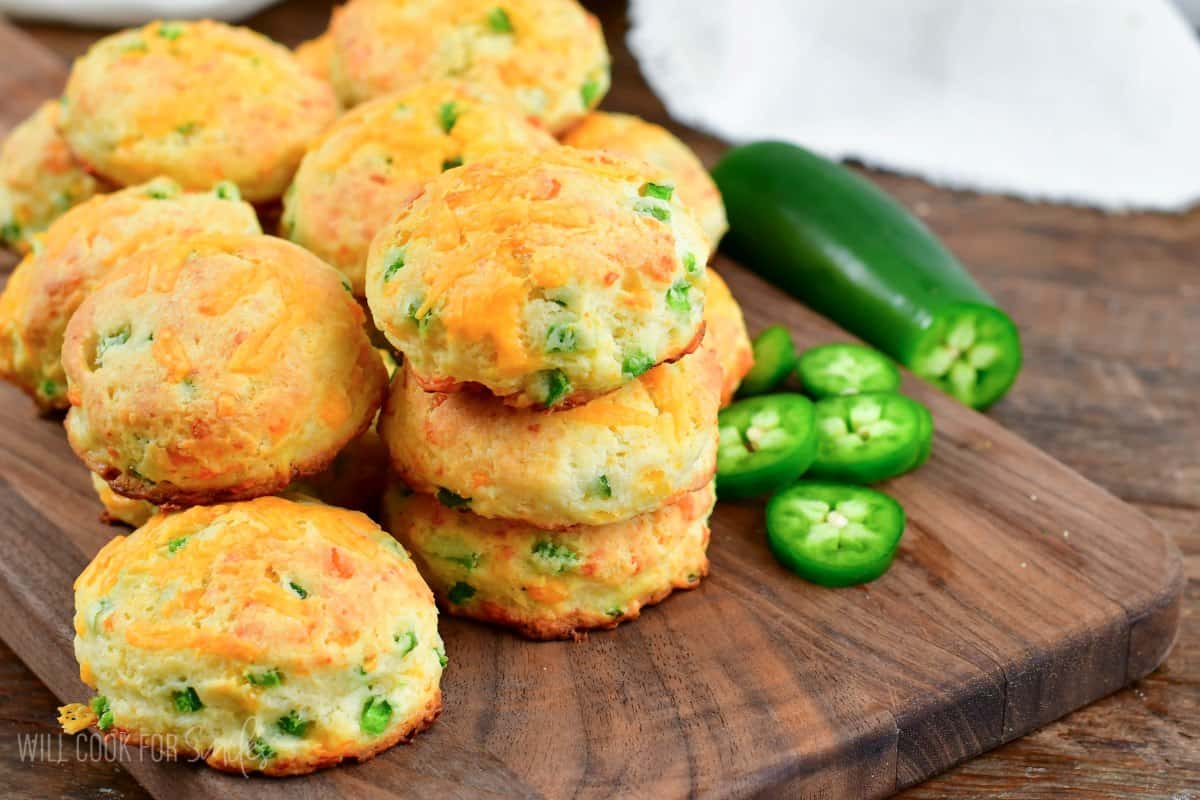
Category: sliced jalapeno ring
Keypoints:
(833, 370)
(774, 358)
(971, 352)
(833, 534)
(863, 438)
(765, 443)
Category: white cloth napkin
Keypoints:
(1091, 102)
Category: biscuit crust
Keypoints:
(258, 635)
(627, 135)
(355, 480)
(726, 336)
(121, 509)
(552, 584)
(77, 251)
(200, 102)
(379, 156)
(218, 368)
(619, 456)
(284, 767)
(548, 278)
(547, 56)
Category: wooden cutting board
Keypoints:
(1021, 591)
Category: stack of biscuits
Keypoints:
(554, 422)
(454, 215)
(246, 622)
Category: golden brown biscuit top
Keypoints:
(201, 101)
(548, 55)
(222, 272)
(631, 136)
(79, 249)
(378, 157)
(485, 240)
(299, 584)
(108, 229)
(196, 73)
(431, 125)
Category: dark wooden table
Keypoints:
(1109, 307)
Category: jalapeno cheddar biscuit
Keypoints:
(40, 177)
(378, 157)
(547, 56)
(627, 135)
(552, 584)
(77, 251)
(218, 368)
(548, 278)
(200, 102)
(725, 335)
(267, 635)
(616, 457)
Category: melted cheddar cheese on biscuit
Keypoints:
(218, 368)
(272, 635)
(618, 456)
(552, 584)
(77, 251)
(200, 102)
(40, 177)
(627, 135)
(546, 56)
(378, 158)
(548, 278)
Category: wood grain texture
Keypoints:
(991, 623)
(956, 651)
